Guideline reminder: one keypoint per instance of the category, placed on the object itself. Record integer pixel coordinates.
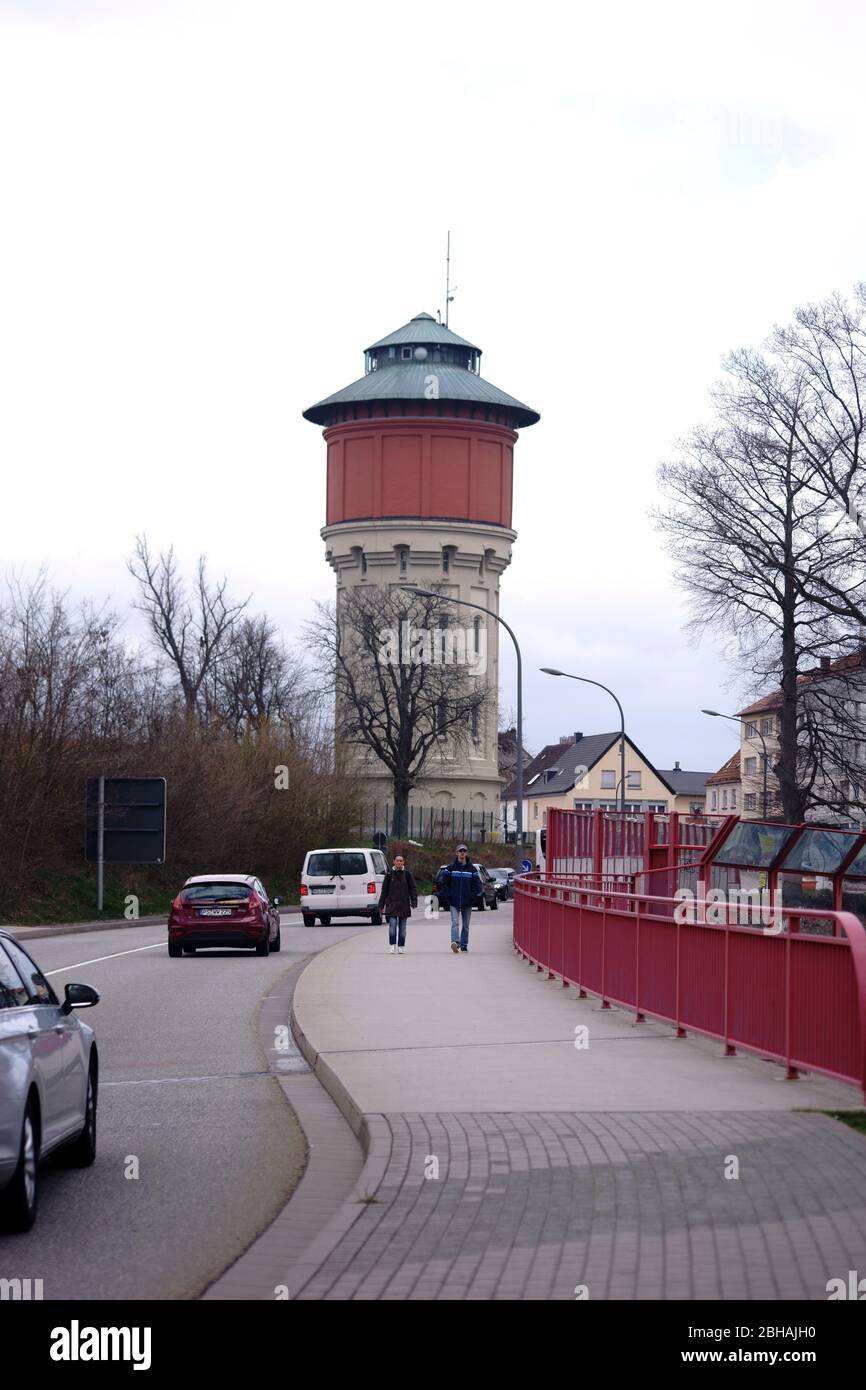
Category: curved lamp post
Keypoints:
(714, 714)
(549, 671)
(464, 603)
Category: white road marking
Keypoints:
(97, 959)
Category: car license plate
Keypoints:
(323, 890)
(214, 912)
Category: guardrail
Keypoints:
(799, 999)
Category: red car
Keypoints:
(224, 910)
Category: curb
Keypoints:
(374, 1135)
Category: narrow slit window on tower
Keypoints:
(474, 722)
(406, 354)
(363, 563)
(477, 635)
(404, 559)
(446, 560)
(441, 718)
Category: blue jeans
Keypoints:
(456, 934)
(395, 924)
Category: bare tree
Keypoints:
(407, 688)
(744, 524)
(194, 635)
(260, 681)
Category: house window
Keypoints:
(749, 801)
(535, 810)
(406, 354)
(404, 560)
(446, 560)
(582, 805)
(715, 800)
(608, 779)
(766, 726)
(733, 798)
(657, 806)
(725, 799)
(632, 781)
(751, 730)
(751, 767)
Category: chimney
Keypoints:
(677, 767)
(825, 663)
(578, 736)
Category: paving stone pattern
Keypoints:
(630, 1205)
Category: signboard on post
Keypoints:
(125, 823)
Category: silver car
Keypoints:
(49, 1078)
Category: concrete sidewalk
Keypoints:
(505, 1162)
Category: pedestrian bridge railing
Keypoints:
(780, 990)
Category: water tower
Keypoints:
(419, 491)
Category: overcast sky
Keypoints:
(209, 210)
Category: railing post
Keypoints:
(730, 1051)
(791, 1073)
(604, 1001)
(639, 1016)
(681, 1032)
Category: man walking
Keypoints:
(399, 895)
(461, 883)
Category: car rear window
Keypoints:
(329, 865)
(353, 864)
(216, 892)
(322, 865)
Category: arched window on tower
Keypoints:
(363, 563)
(403, 557)
(446, 560)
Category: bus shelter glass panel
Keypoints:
(819, 851)
(857, 865)
(752, 844)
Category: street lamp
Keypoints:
(464, 603)
(714, 714)
(549, 671)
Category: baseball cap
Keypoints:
(459, 847)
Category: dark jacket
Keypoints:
(459, 884)
(399, 894)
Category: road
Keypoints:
(186, 1092)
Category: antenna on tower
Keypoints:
(449, 297)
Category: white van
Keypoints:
(342, 883)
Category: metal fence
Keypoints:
(436, 823)
(795, 996)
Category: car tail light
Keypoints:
(253, 902)
(371, 887)
(177, 904)
(304, 890)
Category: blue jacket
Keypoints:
(461, 883)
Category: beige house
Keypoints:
(582, 772)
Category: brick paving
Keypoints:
(629, 1205)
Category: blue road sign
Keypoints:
(526, 866)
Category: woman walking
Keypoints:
(399, 895)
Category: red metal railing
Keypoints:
(799, 999)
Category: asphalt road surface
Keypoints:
(186, 1091)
